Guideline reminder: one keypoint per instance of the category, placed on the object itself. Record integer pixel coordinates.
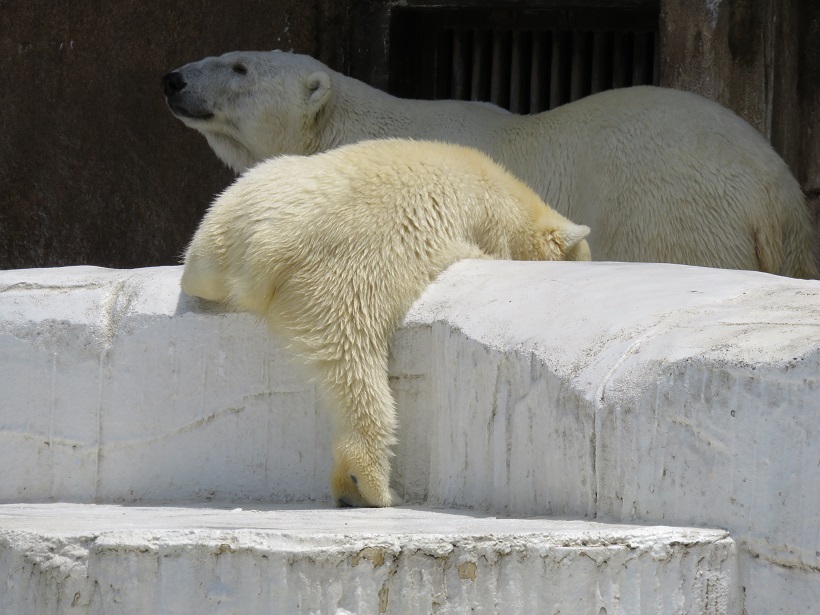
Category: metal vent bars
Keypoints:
(524, 60)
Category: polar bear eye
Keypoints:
(240, 69)
(354, 479)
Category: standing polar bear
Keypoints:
(660, 175)
(334, 249)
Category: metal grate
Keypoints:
(524, 60)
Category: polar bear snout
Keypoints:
(181, 101)
(172, 83)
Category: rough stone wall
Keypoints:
(93, 167)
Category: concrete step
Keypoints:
(646, 393)
(104, 559)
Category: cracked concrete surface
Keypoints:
(291, 559)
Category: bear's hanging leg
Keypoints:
(365, 426)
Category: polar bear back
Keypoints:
(664, 175)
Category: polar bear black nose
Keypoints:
(173, 83)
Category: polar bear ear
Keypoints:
(317, 91)
(570, 235)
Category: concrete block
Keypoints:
(655, 393)
(626, 392)
(100, 560)
(117, 387)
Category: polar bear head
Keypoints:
(251, 105)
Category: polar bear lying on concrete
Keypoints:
(660, 175)
(334, 249)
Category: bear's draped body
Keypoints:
(334, 248)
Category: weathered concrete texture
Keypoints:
(118, 387)
(94, 169)
(107, 559)
(669, 394)
(658, 393)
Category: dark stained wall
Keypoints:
(93, 167)
(95, 170)
(808, 103)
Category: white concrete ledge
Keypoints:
(95, 560)
(658, 393)
(119, 388)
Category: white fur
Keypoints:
(334, 248)
(660, 175)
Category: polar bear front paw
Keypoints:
(361, 481)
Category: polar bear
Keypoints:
(660, 175)
(334, 248)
